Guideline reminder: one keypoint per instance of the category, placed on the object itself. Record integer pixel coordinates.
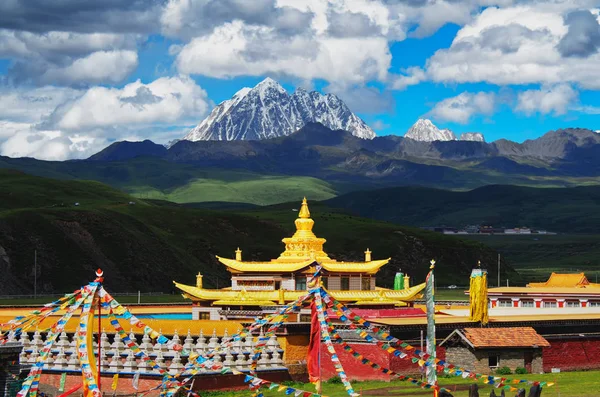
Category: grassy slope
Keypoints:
(145, 246)
(243, 187)
(535, 257)
(571, 210)
(184, 183)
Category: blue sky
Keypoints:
(75, 77)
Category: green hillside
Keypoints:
(146, 245)
(155, 178)
(568, 210)
(242, 187)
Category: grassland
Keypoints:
(536, 256)
(240, 187)
(564, 210)
(567, 384)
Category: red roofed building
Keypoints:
(486, 349)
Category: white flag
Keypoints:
(135, 380)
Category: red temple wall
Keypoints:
(570, 355)
(358, 371)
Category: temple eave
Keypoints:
(267, 298)
(295, 265)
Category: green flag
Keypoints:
(399, 281)
(63, 380)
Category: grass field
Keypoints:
(536, 256)
(568, 384)
(241, 187)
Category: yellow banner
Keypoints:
(115, 381)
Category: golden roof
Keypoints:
(266, 298)
(301, 250)
(235, 266)
(560, 280)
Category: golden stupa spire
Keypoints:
(304, 245)
(304, 212)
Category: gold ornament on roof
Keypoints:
(304, 244)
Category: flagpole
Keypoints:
(99, 278)
(430, 371)
(319, 362)
(99, 361)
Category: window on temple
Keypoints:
(204, 316)
(505, 303)
(494, 361)
(325, 282)
(527, 303)
(365, 284)
(594, 304)
(550, 304)
(345, 283)
(305, 318)
(300, 283)
(573, 304)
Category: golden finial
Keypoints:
(368, 255)
(238, 254)
(304, 212)
(432, 264)
(478, 263)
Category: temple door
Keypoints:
(528, 359)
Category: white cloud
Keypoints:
(32, 105)
(412, 76)
(237, 49)
(461, 108)
(68, 58)
(514, 45)
(555, 99)
(62, 123)
(98, 67)
(165, 100)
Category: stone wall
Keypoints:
(478, 360)
(9, 367)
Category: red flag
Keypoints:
(70, 391)
(312, 360)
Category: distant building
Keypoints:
(559, 291)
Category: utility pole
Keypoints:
(35, 273)
(498, 269)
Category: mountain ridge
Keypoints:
(268, 111)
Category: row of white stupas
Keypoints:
(117, 358)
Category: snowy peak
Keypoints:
(267, 85)
(268, 111)
(472, 136)
(424, 130)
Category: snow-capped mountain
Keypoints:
(424, 130)
(472, 136)
(268, 111)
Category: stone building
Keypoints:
(9, 368)
(487, 349)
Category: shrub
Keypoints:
(503, 371)
(520, 370)
(335, 380)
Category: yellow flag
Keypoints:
(115, 381)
